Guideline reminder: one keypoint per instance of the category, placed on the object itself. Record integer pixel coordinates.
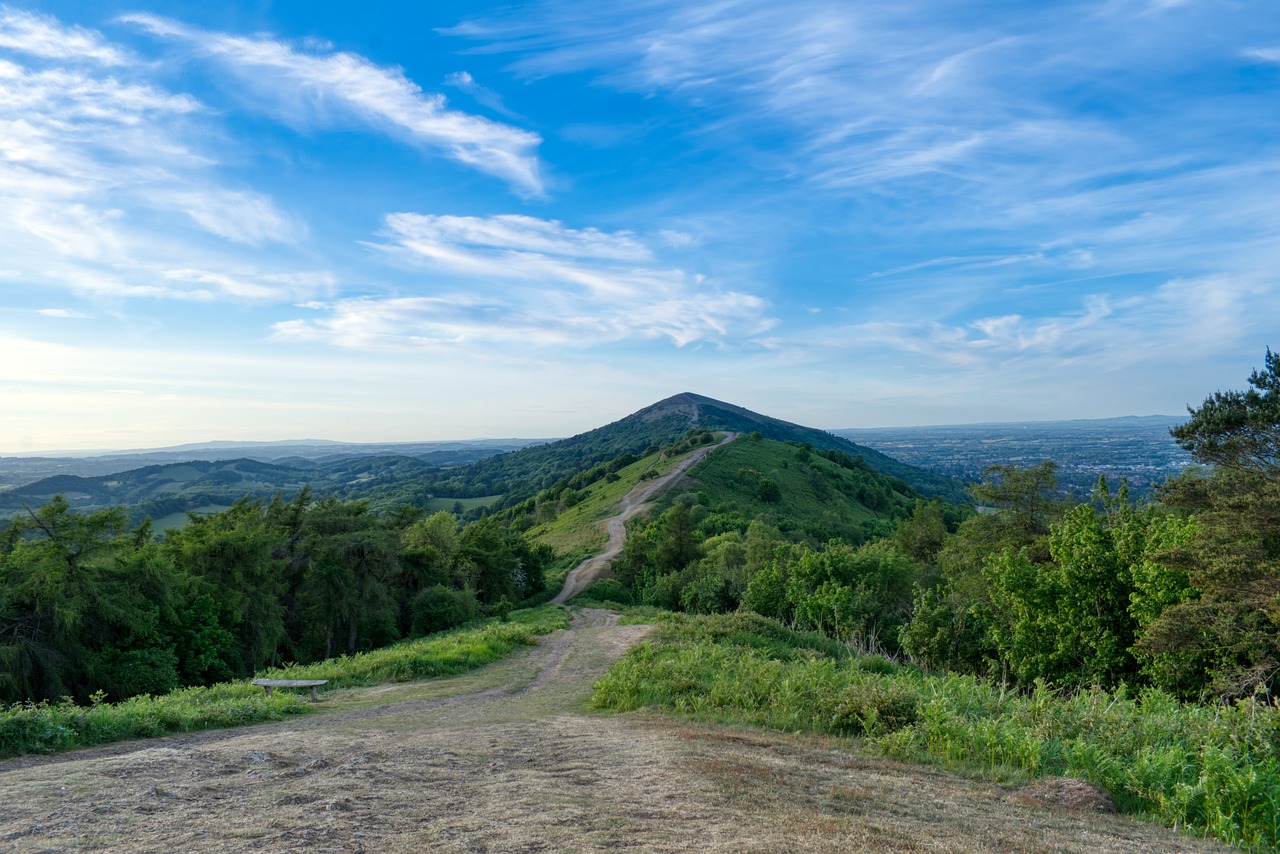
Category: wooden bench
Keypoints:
(269, 684)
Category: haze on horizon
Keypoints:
(414, 222)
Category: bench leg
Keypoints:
(267, 688)
(314, 698)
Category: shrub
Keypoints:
(439, 608)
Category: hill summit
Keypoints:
(528, 470)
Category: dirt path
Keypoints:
(508, 758)
(633, 503)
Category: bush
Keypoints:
(606, 591)
(439, 608)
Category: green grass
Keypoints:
(1212, 769)
(51, 727)
(181, 519)
(816, 496)
(442, 654)
(580, 529)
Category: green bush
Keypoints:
(605, 591)
(439, 608)
(1211, 768)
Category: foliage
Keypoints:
(439, 608)
(90, 603)
(1239, 430)
(1213, 769)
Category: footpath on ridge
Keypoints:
(510, 758)
(633, 503)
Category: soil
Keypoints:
(633, 503)
(510, 758)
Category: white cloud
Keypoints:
(309, 88)
(63, 313)
(94, 163)
(522, 280)
(1265, 54)
(515, 233)
(40, 35)
(239, 215)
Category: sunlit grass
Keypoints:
(1214, 768)
(47, 727)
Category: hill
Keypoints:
(463, 471)
(520, 474)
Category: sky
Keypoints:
(400, 221)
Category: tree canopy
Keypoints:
(1239, 429)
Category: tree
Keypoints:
(84, 602)
(1239, 429)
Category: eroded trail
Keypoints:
(509, 759)
(632, 504)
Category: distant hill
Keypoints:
(388, 476)
(18, 471)
(527, 471)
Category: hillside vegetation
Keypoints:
(1135, 645)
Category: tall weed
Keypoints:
(1213, 769)
(47, 727)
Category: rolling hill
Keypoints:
(391, 479)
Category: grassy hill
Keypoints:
(525, 472)
(440, 479)
(815, 498)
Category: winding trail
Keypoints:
(508, 758)
(633, 503)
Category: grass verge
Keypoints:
(1211, 769)
(443, 654)
(47, 727)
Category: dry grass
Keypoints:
(507, 759)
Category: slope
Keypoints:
(523, 473)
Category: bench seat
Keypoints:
(268, 685)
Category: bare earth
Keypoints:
(633, 504)
(509, 758)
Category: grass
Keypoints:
(443, 654)
(1211, 769)
(580, 529)
(816, 496)
(180, 519)
(51, 727)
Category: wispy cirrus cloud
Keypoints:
(310, 88)
(965, 118)
(95, 161)
(518, 279)
(65, 313)
(42, 36)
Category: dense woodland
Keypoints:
(89, 603)
(1181, 592)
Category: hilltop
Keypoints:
(477, 473)
(522, 473)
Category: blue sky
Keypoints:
(411, 221)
